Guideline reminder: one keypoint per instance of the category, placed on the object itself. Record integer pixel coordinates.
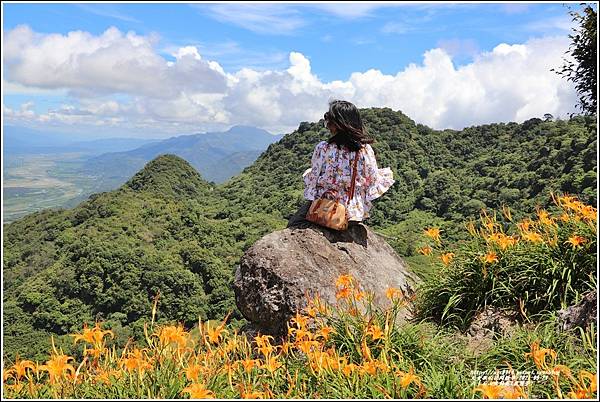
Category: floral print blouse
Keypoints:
(331, 173)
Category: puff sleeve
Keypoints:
(311, 175)
(377, 181)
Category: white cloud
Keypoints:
(24, 113)
(512, 82)
(112, 62)
(561, 24)
(262, 18)
(459, 47)
(515, 8)
(396, 27)
(107, 10)
(350, 11)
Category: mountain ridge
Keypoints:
(207, 152)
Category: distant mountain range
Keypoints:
(23, 141)
(217, 156)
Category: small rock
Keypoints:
(492, 322)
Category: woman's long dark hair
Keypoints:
(351, 132)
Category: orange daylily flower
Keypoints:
(266, 350)
(311, 311)
(494, 391)
(503, 240)
(589, 213)
(307, 346)
(489, 391)
(425, 250)
(253, 395)
(359, 296)
(272, 364)
(539, 356)
(193, 371)
(248, 364)
(349, 369)
(299, 320)
(369, 367)
(343, 293)
(173, 334)
(593, 378)
(375, 332)
(262, 340)
(301, 334)
(136, 360)
(19, 369)
(105, 376)
(447, 258)
(344, 281)
(199, 391)
(325, 331)
(93, 336)
(393, 293)
(532, 237)
(365, 351)
(576, 241)
(94, 352)
(525, 225)
(579, 394)
(513, 392)
(215, 334)
(471, 228)
(544, 217)
(408, 378)
(433, 233)
(57, 366)
(490, 258)
(564, 217)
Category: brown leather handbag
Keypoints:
(331, 213)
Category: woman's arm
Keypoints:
(311, 175)
(378, 181)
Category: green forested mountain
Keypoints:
(108, 257)
(169, 230)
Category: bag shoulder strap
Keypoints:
(354, 169)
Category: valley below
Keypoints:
(35, 182)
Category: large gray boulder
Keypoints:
(581, 314)
(279, 270)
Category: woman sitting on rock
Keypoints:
(330, 174)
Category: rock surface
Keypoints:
(580, 314)
(277, 273)
(492, 322)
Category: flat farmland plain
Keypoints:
(35, 182)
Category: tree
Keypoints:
(582, 71)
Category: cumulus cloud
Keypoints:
(121, 80)
(112, 62)
(459, 47)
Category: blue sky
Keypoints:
(335, 39)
